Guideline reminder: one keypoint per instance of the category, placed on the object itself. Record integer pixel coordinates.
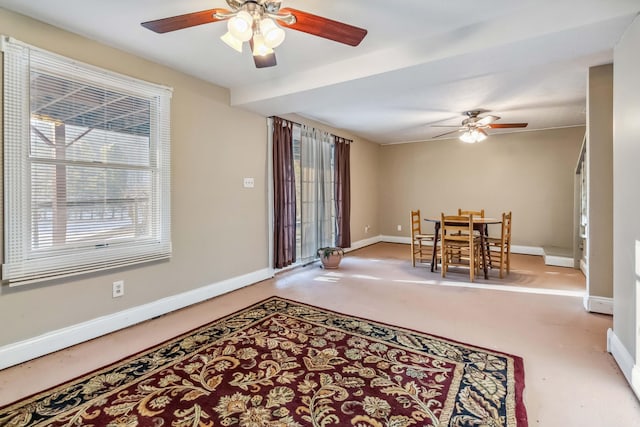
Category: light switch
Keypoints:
(248, 183)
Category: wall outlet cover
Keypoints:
(118, 288)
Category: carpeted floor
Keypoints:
(528, 272)
(283, 363)
(571, 379)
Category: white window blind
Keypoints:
(86, 167)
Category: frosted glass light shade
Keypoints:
(259, 46)
(473, 135)
(240, 26)
(232, 41)
(273, 35)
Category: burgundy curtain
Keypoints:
(284, 194)
(342, 181)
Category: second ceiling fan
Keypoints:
(474, 126)
(258, 22)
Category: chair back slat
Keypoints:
(459, 243)
(422, 245)
(501, 255)
(416, 228)
(477, 214)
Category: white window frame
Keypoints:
(23, 265)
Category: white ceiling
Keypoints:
(423, 62)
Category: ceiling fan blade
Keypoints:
(448, 133)
(484, 121)
(507, 125)
(179, 22)
(324, 27)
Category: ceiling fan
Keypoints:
(474, 126)
(254, 21)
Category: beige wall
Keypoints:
(626, 179)
(529, 173)
(219, 229)
(213, 148)
(600, 196)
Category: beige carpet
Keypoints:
(570, 378)
(527, 271)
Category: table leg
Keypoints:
(484, 256)
(435, 245)
(486, 234)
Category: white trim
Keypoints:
(601, 305)
(394, 239)
(635, 380)
(15, 353)
(362, 243)
(583, 267)
(527, 250)
(559, 257)
(624, 360)
(515, 249)
(559, 261)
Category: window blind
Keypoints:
(86, 167)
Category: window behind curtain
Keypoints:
(86, 164)
(314, 188)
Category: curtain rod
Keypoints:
(346, 140)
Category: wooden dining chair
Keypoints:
(501, 246)
(477, 214)
(459, 245)
(422, 245)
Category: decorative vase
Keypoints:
(330, 256)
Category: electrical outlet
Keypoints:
(248, 183)
(118, 288)
(366, 229)
(399, 227)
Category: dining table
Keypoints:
(480, 224)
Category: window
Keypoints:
(86, 167)
(311, 191)
(315, 211)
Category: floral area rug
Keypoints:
(280, 363)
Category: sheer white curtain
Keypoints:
(318, 228)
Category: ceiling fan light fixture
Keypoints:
(472, 136)
(259, 46)
(273, 35)
(244, 18)
(240, 26)
(231, 41)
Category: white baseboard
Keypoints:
(600, 305)
(15, 353)
(559, 261)
(395, 239)
(362, 243)
(527, 250)
(515, 249)
(624, 360)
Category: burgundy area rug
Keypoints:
(280, 363)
